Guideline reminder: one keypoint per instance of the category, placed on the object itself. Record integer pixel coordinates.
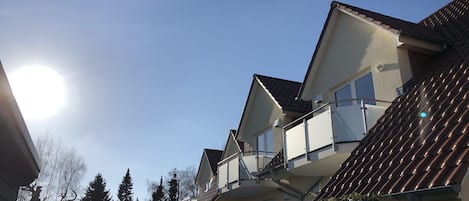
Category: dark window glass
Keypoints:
(260, 142)
(265, 141)
(345, 93)
(364, 89)
(269, 141)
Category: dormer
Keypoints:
(357, 45)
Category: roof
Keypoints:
(284, 92)
(213, 156)
(391, 24)
(404, 152)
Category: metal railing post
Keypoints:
(285, 158)
(240, 167)
(332, 124)
(305, 124)
(257, 161)
(227, 173)
(363, 107)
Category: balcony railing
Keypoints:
(242, 166)
(329, 125)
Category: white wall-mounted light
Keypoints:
(380, 67)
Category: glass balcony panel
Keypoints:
(222, 175)
(348, 123)
(295, 141)
(326, 127)
(233, 170)
(320, 130)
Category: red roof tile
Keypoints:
(404, 152)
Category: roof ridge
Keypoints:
(276, 78)
(336, 4)
(207, 149)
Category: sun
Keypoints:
(38, 90)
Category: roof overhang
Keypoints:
(19, 162)
(419, 45)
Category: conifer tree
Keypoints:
(173, 189)
(96, 190)
(125, 188)
(36, 194)
(158, 195)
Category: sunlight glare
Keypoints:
(39, 91)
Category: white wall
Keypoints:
(260, 115)
(354, 48)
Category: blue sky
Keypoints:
(151, 83)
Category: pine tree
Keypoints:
(158, 195)
(36, 194)
(125, 188)
(173, 189)
(96, 191)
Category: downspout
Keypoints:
(311, 187)
(297, 193)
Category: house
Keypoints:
(349, 94)
(419, 149)
(19, 161)
(206, 178)
(270, 104)
(397, 86)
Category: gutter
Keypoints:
(427, 191)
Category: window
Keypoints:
(265, 141)
(207, 186)
(357, 89)
(364, 88)
(345, 93)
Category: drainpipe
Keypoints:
(363, 107)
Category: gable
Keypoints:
(349, 47)
(205, 172)
(260, 113)
(231, 146)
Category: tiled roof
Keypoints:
(392, 24)
(404, 152)
(214, 156)
(284, 93)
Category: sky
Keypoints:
(150, 83)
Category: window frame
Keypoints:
(353, 90)
(264, 134)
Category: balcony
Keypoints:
(317, 143)
(237, 175)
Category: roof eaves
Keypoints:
(316, 50)
(200, 164)
(244, 109)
